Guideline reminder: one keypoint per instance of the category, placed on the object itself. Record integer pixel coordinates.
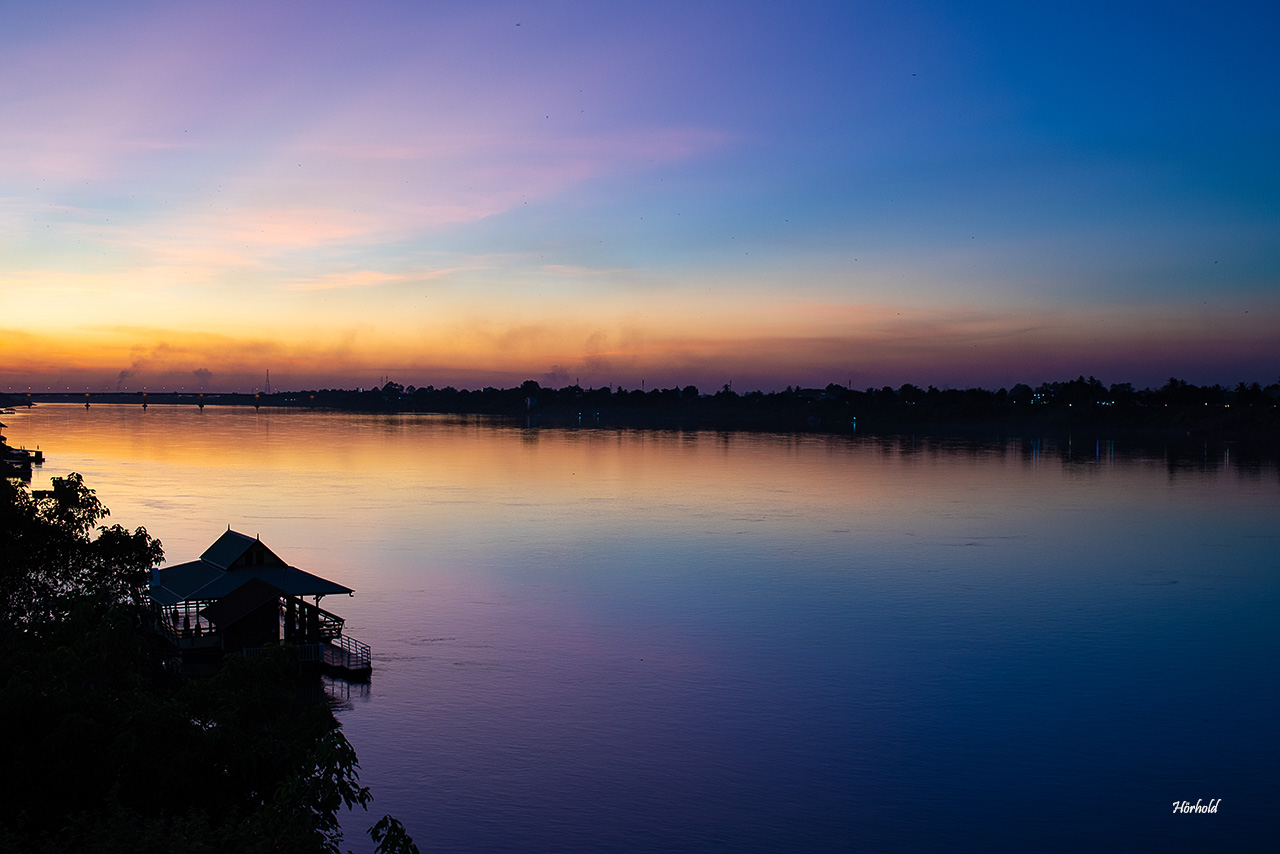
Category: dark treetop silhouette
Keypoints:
(108, 749)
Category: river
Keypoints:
(589, 640)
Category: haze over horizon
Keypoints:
(670, 193)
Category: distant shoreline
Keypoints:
(1177, 412)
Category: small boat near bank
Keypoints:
(17, 462)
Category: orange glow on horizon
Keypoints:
(807, 344)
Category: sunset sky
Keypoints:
(951, 193)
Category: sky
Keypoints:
(193, 194)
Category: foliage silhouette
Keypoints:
(1177, 408)
(109, 749)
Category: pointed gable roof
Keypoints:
(230, 563)
(231, 548)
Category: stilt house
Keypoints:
(239, 596)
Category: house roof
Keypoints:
(231, 547)
(221, 570)
(241, 602)
(178, 583)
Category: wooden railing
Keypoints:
(183, 625)
(330, 625)
(342, 652)
(304, 620)
(350, 653)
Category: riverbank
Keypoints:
(1184, 412)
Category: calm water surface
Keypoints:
(614, 640)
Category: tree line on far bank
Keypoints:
(1176, 405)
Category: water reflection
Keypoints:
(686, 641)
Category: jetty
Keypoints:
(17, 462)
(239, 596)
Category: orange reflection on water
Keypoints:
(441, 483)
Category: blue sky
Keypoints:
(763, 194)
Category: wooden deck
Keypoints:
(347, 658)
(341, 657)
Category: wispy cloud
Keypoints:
(600, 190)
(354, 279)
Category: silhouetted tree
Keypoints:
(108, 750)
(1123, 394)
(50, 562)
